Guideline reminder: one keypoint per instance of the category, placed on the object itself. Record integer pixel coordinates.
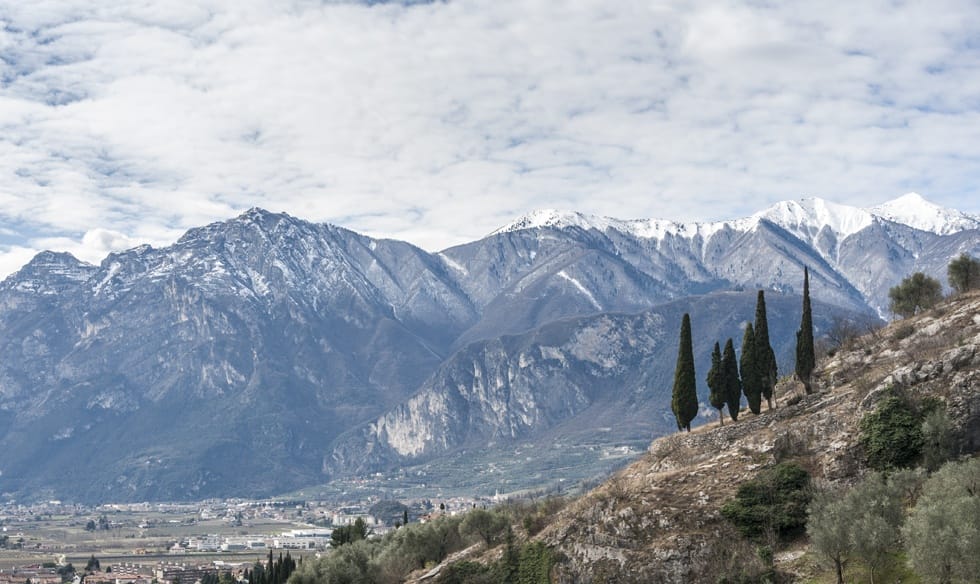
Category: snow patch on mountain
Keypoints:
(915, 211)
(49, 273)
(642, 228)
(454, 264)
(578, 286)
(805, 218)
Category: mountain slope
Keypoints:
(658, 520)
(288, 331)
(570, 376)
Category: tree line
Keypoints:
(919, 292)
(391, 558)
(753, 375)
(274, 571)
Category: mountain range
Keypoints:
(266, 353)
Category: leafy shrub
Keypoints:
(466, 573)
(937, 438)
(488, 525)
(530, 563)
(387, 560)
(915, 294)
(772, 506)
(892, 434)
(536, 560)
(904, 331)
(964, 273)
(533, 514)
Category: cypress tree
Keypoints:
(732, 384)
(684, 400)
(751, 379)
(765, 356)
(805, 360)
(716, 384)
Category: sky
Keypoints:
(131, 121)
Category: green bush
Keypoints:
(389, 559)
(772, 506)
(892, 434)
(467, 573)
(904, 331)
(536, 560)
(530, 563)
(488, 525)
(964, 273)
(915, 294)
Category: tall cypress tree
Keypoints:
(733, 385)
(684, 400)
(751, 380)
(765, 356)
(805, 360)
(716, 384)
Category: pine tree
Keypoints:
(765, 356)
(684, 401)
(805, 360)
(751, 379)
(716, 384)
(732, 384)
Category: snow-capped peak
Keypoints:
(555, 218)
(804, 217)
(913, 210)
(49, 272)
(812, 215)
(645, 228)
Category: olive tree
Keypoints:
(863, 522)
(914, 294)
(942, 534)
(486, 524)
(964, 273)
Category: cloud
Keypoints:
(439, 122)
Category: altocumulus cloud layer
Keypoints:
(127, 122)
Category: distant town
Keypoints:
(186, 543)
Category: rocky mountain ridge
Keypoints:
(330, 352)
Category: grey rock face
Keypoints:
(611, 371)
(258, 339)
